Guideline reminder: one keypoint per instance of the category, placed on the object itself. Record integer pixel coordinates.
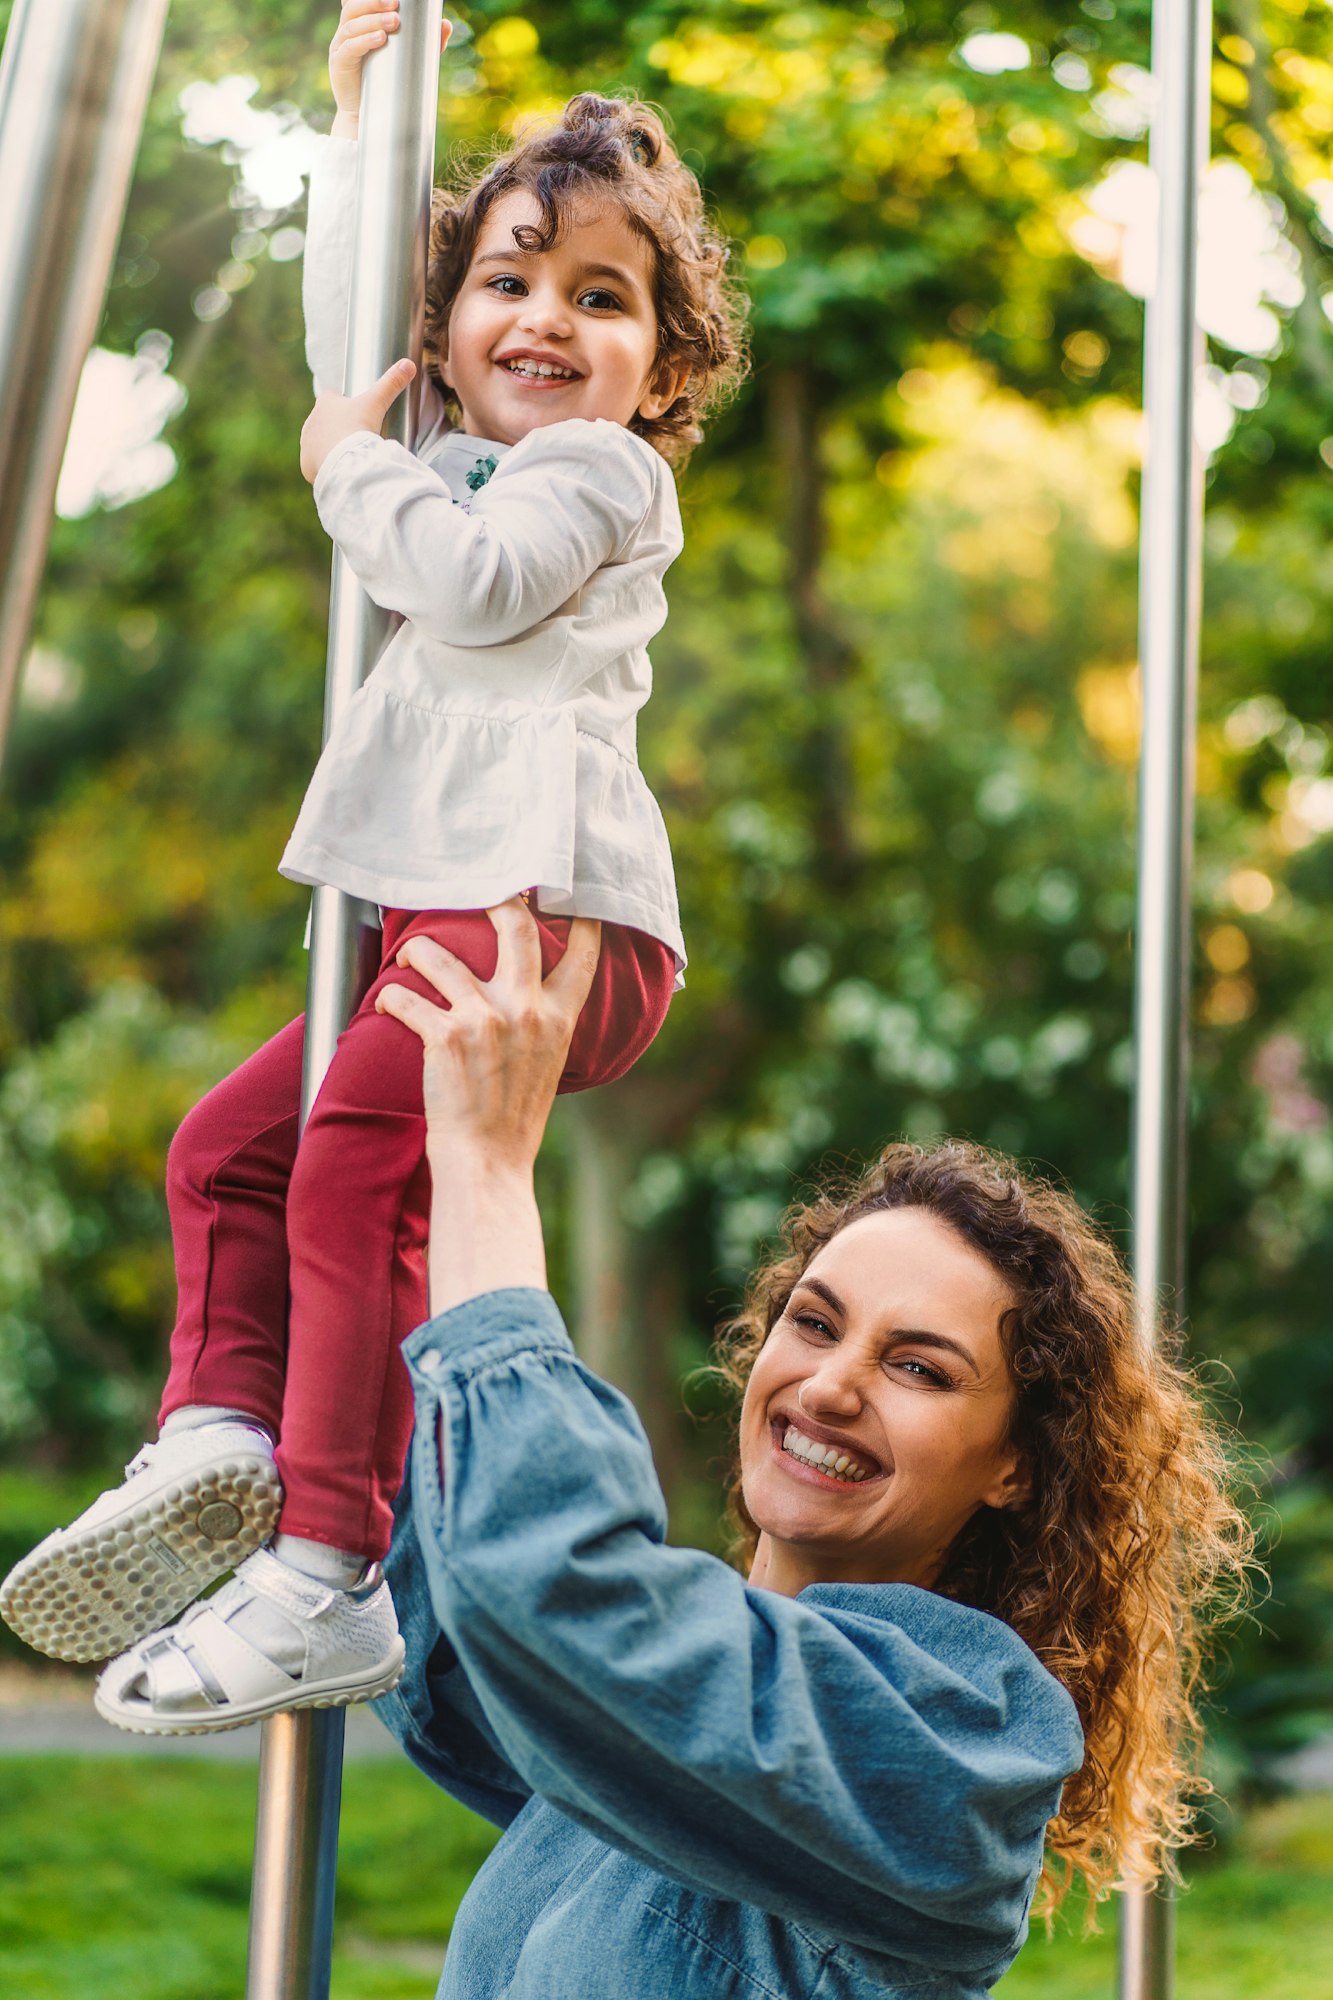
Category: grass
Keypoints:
(1255, 1923)
(130, 1881)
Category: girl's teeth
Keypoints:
(538, 368)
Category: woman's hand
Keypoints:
(365, 26)
(335, 417)
(493, 1058)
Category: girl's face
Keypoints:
(888, 1356)
(582, 309)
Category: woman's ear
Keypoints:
(1013, 1487)
(666, 382)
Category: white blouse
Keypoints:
(492, 748)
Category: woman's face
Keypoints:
(887, 1367)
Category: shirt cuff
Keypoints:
(352, 442)
(491, 1328)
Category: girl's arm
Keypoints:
(326, 274)
(331, 217)
(566, 500)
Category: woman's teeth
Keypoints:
(525, 367)
(826, 1458)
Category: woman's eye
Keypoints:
(814, 1324)
(924, 1372)
(600, 301)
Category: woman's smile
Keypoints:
(811, 1452)
(876, 1416)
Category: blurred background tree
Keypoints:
(895, 724)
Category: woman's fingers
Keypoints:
(424, 1017)
(570, 982)
(452, 980)
(518, 961)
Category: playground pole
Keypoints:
(1170, 595)
(300, 1768)
(74, 84)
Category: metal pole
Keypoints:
(1170, 571)
(300, 1769)
(74, 84)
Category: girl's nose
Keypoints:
(545, 315)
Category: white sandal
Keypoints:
(204, 1673)
(191, 1507)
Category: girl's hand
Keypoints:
(365, 25)
(335, 417)
(494, 1056)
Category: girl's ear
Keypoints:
(666, 382)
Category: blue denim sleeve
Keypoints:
(860, 1758)
(433, 1711)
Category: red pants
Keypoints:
(300, 1273)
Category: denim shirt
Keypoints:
(707, 1790)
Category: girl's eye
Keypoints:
(600, 301)
(496, 284)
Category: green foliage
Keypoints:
(894, 726)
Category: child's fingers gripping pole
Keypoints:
(373, 405)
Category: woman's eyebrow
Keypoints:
(920, 1335)
(825, 1292)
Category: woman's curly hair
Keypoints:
(606, 149)
(1130, 1548)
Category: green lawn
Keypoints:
(123, 1880)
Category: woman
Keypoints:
(982, 1529)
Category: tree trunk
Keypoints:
(830, 656)
(617, 1331)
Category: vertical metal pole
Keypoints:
(300, 1769)
(1170, 572)
(74, 85)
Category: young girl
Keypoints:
(578, 324)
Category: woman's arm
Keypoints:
(873, 1762)
(566, 500)
(493, 1059)
(433, 1711)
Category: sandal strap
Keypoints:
(300, 1596)
(241, 1671)
(175, 1684)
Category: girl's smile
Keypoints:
(537, 336)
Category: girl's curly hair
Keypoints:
(606, 149)
(1130, 1548)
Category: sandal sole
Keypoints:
(379, 1681)
(100, 1589)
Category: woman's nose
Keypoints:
(832, 1390)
